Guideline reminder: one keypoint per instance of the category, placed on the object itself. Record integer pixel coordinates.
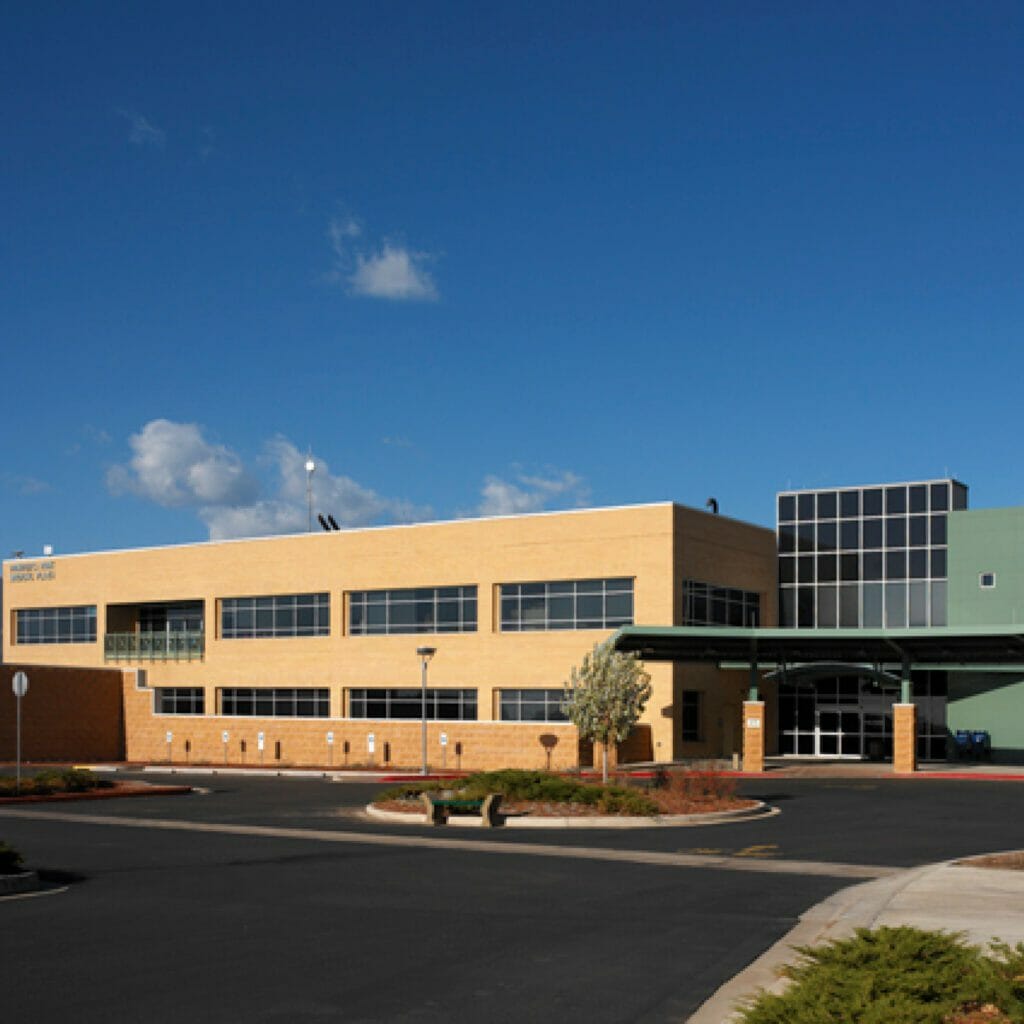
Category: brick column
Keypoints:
(904, 738)
(753, 736)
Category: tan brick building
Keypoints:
(301, 650)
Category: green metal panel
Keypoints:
(993, 702)
(987, 540)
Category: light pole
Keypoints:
(310, 470)
(425, 653)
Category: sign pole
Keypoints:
(17, 783)
(19, 685)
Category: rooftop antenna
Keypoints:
(712, 505)
(310, 470)
(323, 522)
(333, 522)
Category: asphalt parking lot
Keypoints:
(167, 909)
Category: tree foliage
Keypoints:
(606, 695)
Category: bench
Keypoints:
(439, 808)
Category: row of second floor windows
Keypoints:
(527, 704)
(556, 605)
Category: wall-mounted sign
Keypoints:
(753, 723)
(444, 739)
(224, 736)
(31, 572)
(330, 739)
(259, 741)
(371, 743)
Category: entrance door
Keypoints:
(838, 730)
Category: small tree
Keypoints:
(605, 696)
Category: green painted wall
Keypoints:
(986, 540)
(991, 701)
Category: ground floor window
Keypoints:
(299, 702)
(850, 717)
(692, 709)
(391, 702)
(179, 700)
(532, 706)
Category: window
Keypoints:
(567, 604)
(73, 625)
(275, 703)
(421, 610)
(442, 705)
(179, 700)
(986, 580)
(692, 717)
(282, 615)
(532, 706)
(706, 604)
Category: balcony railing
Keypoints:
(185, 645)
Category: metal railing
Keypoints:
(185, 645)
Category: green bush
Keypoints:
(53, 780)
(10, 859)
(892, 975)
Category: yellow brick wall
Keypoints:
(653, 544)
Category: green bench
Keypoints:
(439, 808)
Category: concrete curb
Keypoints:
(762, 810)
(15, 885)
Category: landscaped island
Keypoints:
(543, 794)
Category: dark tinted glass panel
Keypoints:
(938, 529)
(787, 539)
(849, 536)
(827, 537)
(827, 613)
(939, 604)
(827, 505)
(872, 533)
(848, 567)
(849, 504)
(872, 606)
(873, 502)
(805, 569)
(918, 531)
(872, 569)
(787, 606)
(895, 605)
(959, 496)
(805, 507)
(848, 611)
(826, 568)
(895, 533)
(939, 563)
(895, 565)
(918, 567)
(787, 508)
(895, 500)
(940, 497)
(919, 498)
(805, 607)
(805, 537)
(918, 604)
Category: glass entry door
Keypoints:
(838, 730)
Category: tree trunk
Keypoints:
(604, 763)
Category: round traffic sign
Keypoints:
(19, 684)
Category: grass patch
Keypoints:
(46, 783)
(898, 976)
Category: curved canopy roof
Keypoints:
(941, 647)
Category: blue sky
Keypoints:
(495, 258)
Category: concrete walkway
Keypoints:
(983, 903)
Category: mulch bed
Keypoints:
(1006, 861)
(536, 809)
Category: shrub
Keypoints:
(53, 780)
(10, 859)
(894, 974)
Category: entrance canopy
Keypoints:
(946, 647)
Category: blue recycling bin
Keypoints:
(981, 741)
(962, 743)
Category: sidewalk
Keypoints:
(983, 903)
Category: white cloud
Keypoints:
(531, 494)
(143, 132)
(389, 271)
(173, 465)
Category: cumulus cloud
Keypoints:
(142, 131)
(386, 271)
(174, 465)
(500, 497)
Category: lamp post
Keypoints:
(310, 470)
(425, 653)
